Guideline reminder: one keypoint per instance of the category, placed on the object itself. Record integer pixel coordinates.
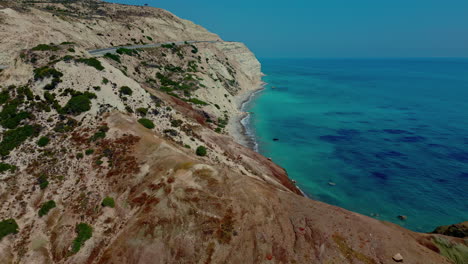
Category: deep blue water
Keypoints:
(392, 134)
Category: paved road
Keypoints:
(102, 52)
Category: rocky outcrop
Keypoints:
(456, 230)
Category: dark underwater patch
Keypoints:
(396, 131)
(412, 139)
(338, 113)
(380, 176)
(459, 156)
(333, 138)
(389, 154)
(348, 132)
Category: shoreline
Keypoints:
(239, 128)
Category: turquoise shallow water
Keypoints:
(391, 134)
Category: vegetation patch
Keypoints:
(7, 167)
(43, 141)
(84, 232)
(142, 111)
(9, 116)
(15, 137)
(457, 252)
(197, 101)
(93, 62)
(42, 181)
(8, 226)
(45, 47)
(79, 103)
(201, 151)
(108, 202)
(113, 57)
(125, 90)
(146, 123)
(125, 51)
(89, 152)
(100, 134)
(46, 72)
(46, 207)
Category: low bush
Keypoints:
(142, 110)
(45, 47)
(113, 57)
(105, 81)
(46, 207)
(42, 181)
(46, 72)
(201, 151)
(125, 90)
(84, 232)
(93, 62)
(43, 141)
(109, 202)
(15, 137)
(176, 123)
(5, 167)
(8, 226)
(197, 101)
(9, 117)
(125, 51)
(89, 152)
(100, 134)
(77, 105)
(146, 123)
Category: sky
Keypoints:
(332, 28)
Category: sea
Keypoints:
(381, 137)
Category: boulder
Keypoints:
(397, 257)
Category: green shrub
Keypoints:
(43, 141)
(125, 90)
(113, 57)
(89, 151)
(149, 38)
(77, 105)
(42, 181)
(84, 232)
(71, 49)
(4, 167)
(45, 72)
(15, 137)
(100, 134)
(146, 123)
(9, 117)
(93, 62)
(45, 47)
(79, 155)
(176, 123)
(109, 202)
(197, 101)
(125, 51)
(8, 226)
(142, 110)
(46, 207)
(105, 81)
(201, 151)
(4, 97)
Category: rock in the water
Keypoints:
(275, 139)
(398, 257)
(331, 183)
(402, 217)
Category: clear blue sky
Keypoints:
(332, 28)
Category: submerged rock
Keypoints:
(402, 217)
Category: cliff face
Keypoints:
(87, 178)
